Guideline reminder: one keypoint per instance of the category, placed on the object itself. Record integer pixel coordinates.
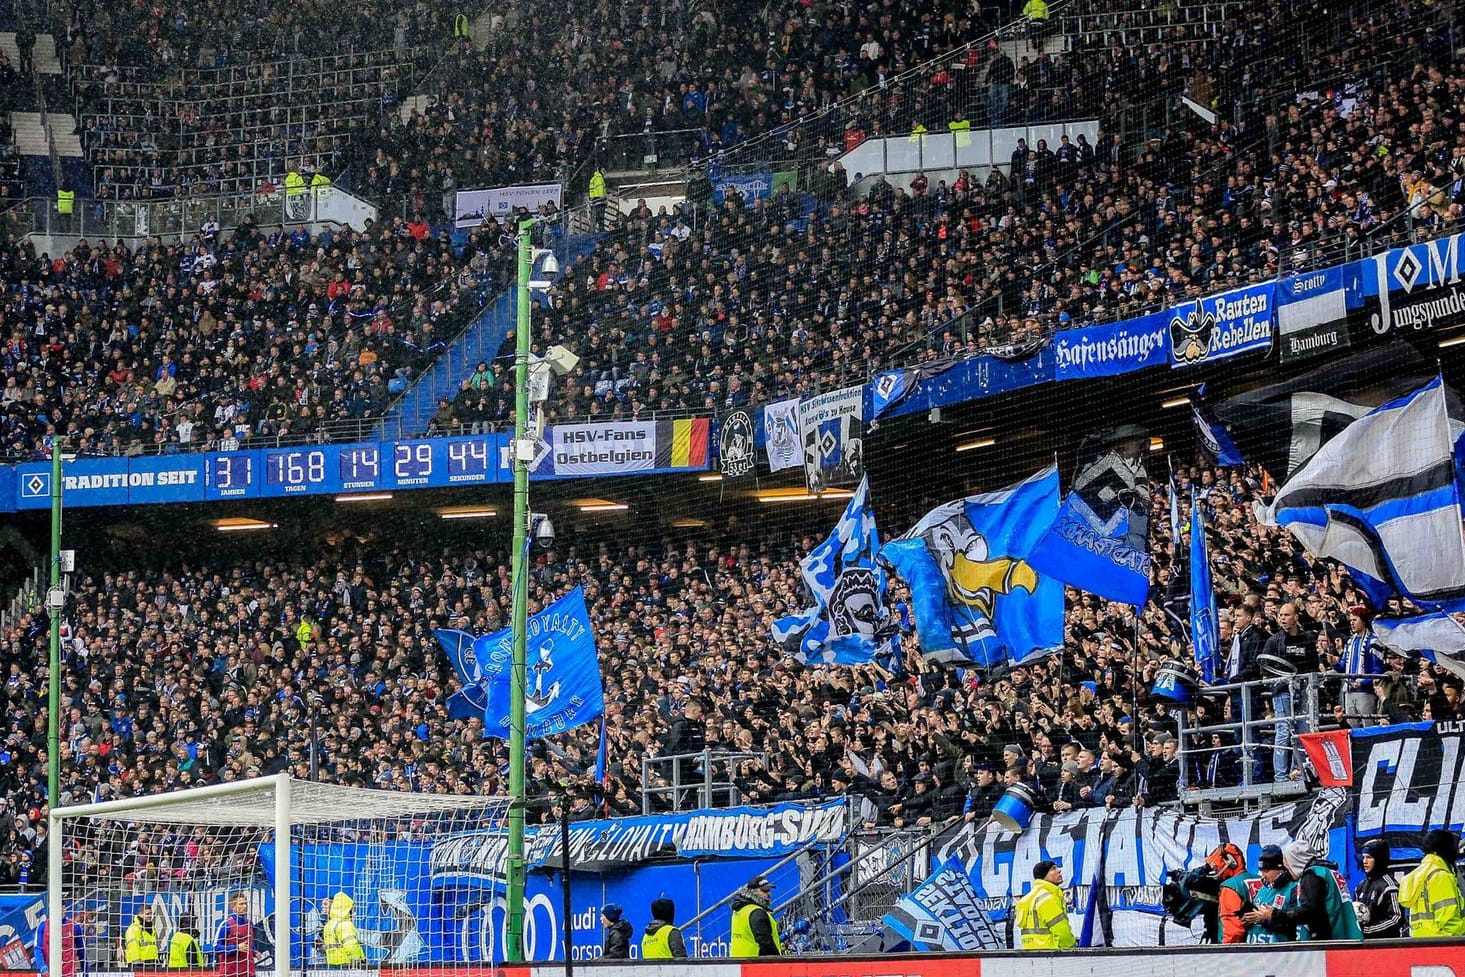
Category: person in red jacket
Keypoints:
(235, 941)
(70, 946)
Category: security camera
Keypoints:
(543, 529)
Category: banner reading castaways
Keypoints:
(1126, 855)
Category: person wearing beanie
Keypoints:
(618, 933)
(1376, 900)
(1276, 890)
(662, 940)
(1431, 893)
(1361, 657)
(1041, 916)
(754, 930)
(1316, 907)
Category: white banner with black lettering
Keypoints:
(832, 426)
(603, 449)
(473, 206)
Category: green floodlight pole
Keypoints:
(522, 454)
(53, 609)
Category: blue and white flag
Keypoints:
(1099, 542)
(1212, 434)
(848, 623)
(1436, 637)
(1205, 636)
(563, 688)
(976, 598)
(1381, 499)
(944, 913)
(893, 386)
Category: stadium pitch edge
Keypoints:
(1404, 958)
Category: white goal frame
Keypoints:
(276, 803)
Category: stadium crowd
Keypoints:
(179, 674)
(220, 341)
(722, 305)
(719, 306)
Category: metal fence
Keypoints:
(1226, 761)
(694, 780)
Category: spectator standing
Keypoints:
(1376, 899)
(1360, 657)
(618, 933)
(1295, 649)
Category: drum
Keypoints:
(1176, 682)
(1014, 809)
(1275, 666)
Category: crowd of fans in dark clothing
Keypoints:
(219, 342)
(179, 673)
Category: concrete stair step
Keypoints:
(43, 54)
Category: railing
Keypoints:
(227, 76)
(178, 217)
(691, 779)
(845, 905)
(663, 149)
(1254, 734)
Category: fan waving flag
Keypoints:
(1381, 498)
(976, 598)
(1205, 636)
(563, 688)
(1098, 542)
(848, 623)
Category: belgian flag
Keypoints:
(683, 443)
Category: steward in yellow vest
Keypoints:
(754, 930)
(662, 940)
(1431, 892)
(342, 945)
(140, 944)
(65, 202)
(1041, 916)
(184, 952)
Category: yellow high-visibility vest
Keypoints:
(65, 201)
(743, 943)
(140, 945)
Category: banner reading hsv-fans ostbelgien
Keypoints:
(1407, 780)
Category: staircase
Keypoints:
(43, 54)
(480, 342)
(34, 147)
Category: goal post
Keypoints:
(179, 862)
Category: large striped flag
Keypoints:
(1381, 498)
(683, 443)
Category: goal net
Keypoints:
(200, 876)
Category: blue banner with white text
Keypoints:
(1112, 349)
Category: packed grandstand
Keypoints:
(1232, 144)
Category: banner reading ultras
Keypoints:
(1407, 780)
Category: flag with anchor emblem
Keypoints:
(562, 688)
(976, 598)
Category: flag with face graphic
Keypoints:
(848, 623)
(976, 598)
